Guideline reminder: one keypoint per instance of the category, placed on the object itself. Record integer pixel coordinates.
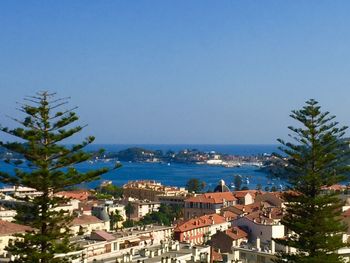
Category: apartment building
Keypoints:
(149, 190)
(199, 230)
(208, 203)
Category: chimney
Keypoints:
(195, 253)
(273, 249)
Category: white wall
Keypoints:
(264, 232)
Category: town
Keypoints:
(219, 226)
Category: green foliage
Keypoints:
(317, 158)
(136, 154)
(129, 223)
(50, 168)
(195, 185)
(103, 196)
(273, 189)
(112, 190)
(115, 217)
(258, 187)
(164, 216)
(129, 210)
(237, 181)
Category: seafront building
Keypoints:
(208, 203)
(223, 241)
(199, 230)
(141, 207)
(149, 190)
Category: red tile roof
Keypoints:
(86, 220)
(243, 193)
(229, 214)
(102, 235)
(248, 208)
(213, 198)
(78, 194)
(335, 187)
(236, 233)
(9, 228)
(265, 217)
(216, 256)
(200, 222)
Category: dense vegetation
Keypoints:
(137, 154)
(318, 157)
(164, 216)
(49, 169)
(195, 185)
(109, 191)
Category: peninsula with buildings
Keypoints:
(186, 156)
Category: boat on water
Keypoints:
(231, 164)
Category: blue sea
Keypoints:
(178, 174)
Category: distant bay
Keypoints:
(176, 174)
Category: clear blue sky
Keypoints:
(178, 71)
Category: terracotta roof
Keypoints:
(243, 193)
(101, 235)
(265, 217)
(9, 228)
(236, 233)
(200, 222)
(248, 208)
(216, 256)
(346, 213)
(86, 220)
(335, 187)
(213, 198)
(79, 194)
(229, 214)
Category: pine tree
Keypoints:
(316, 157)
(49, 168)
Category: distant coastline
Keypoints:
(234, 149)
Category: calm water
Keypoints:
(179, 174)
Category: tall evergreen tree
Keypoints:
(49, 168)
(316, 157)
